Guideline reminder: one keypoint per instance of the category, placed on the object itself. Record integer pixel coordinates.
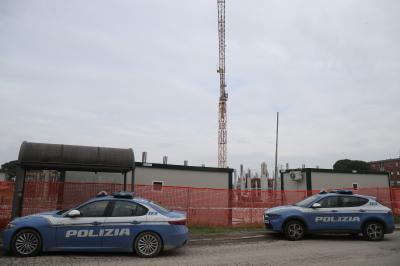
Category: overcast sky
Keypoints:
(142, 74)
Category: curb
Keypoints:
(207, 240)
(197, 238)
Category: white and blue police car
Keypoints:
(338, 211)
(116, 223)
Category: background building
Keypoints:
(159, 175)
(318, 179)
(392, 166)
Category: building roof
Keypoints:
(320, 170)
(184, 167)
(386, 160)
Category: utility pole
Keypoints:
(223, 95)
(276, 151)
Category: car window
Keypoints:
(141, 210)
(329, 202)
(353, 201)
(125, 208)
(158, 207)
(94, 209)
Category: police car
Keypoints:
(335, 212)
(117, 223)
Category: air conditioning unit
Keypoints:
(296, 176)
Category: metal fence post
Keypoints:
(188, 195)
(60, 191)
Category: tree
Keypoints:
(350, 165)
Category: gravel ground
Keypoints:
(265, 249)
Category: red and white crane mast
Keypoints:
(223, 96)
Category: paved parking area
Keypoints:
(266, 249)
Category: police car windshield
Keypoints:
(305, 202)
(61, 211)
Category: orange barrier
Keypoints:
(6, 196)
(203, 206)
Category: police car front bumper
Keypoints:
(390, 229)
(271, 227)
(268, 226)
(7, 235)
(272, 223)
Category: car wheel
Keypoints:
(373, 231)
(26, 242)
(148, 244)
(294, 230)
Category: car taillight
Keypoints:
(180, 222)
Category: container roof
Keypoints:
(321, 170)
(184, 167)
(73, 157)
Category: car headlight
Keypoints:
(10, 225)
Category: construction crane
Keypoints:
(223, 95)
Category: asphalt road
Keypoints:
(265, 249)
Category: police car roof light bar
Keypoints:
(341, 191)
(102, 194)
(323, 191)
(123, 195)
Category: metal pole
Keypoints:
(133, 180)
(18, 197)
(276, 151)
(133, 171)
(125, 181)
(60, 191)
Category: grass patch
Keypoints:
(216, 230)
(397, 219)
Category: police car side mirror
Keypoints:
(316, 205)
(74, 213)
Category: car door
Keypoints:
(351, 213)
(126, 218)
(324, 217)
(83, 232)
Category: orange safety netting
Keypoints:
(203, 206)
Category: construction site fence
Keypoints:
(203, 206)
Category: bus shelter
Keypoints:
(62, 158)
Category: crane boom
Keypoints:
(223, 97)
